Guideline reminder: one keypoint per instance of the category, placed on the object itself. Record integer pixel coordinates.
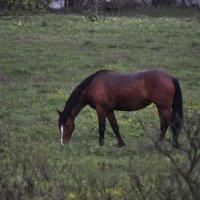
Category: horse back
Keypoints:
(129, 91)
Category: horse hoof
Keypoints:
(121, 143)
(101, 143)
(159, 143)
(175, 145)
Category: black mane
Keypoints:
(76, 95)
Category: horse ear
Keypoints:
(59, 112)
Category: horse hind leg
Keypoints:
(115, 127)
(165, 115)
(175, 131)
(166, 119)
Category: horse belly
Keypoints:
(131, 102)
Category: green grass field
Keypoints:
(42, 59)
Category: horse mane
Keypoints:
(75, 96)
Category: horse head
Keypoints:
(66, 127)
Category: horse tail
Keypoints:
(177, 105)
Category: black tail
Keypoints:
(177, 105)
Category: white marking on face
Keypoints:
(61, 135)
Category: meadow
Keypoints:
(43, 58)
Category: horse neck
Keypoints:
(72, 112)
(75, 103)
(76, 110)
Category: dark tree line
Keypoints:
(128, 3)
(8, 7)
(19, 7)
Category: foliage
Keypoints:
(48, 171)
(42, 62)
(188, 166)
(13, 8)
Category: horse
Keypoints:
(107, 91)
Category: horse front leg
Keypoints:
(102, 120)
(115, 127)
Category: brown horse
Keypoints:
(106, 91)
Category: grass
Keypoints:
(43, 58)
